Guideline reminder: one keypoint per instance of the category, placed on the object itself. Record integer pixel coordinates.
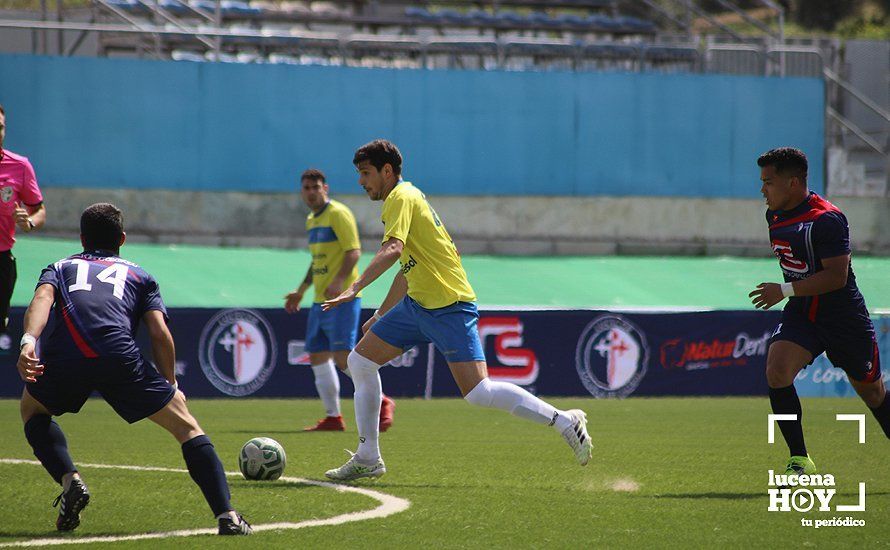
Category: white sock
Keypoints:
(68, 478)
(518, 402)
(368, 393)
(328, 385)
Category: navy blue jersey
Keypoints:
(100, 299)
(801, 238)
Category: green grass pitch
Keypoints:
(665, 473)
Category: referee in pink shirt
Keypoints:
(21, 206)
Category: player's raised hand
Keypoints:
(28, 364)
(766, 295)
(348, 295)
(292, 301)
(20, 215)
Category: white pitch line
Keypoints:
(389, 505)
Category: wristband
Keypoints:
(27, 339)
(376, 315)
(175, 384)
(787, 289)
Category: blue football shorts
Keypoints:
(333, 330)
(452, 329)
(132, 386)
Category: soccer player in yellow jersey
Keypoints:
(335, 249)
(430, 300)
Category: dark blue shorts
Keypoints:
(333, 330)
(133, 388)
(853, 351)
(451, 329)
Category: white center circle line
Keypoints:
(389, 505)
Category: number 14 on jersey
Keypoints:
(115, 275)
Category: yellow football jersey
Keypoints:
(429, 260)
(331, 232)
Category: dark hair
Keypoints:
(313, 174)
(785, 160)
(101, 226)
(1, 109)
(379, 153)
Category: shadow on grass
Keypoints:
(263, 432)
(250, 485)
(723, 496)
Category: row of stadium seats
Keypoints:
(641, 52)
(576, 4)
(533, 20)
(232, 10)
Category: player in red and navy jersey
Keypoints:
(99, 299)
(825, 310)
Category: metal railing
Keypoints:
(849, 125)
(340, 45)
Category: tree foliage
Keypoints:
(825, 14)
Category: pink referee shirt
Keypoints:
(17, 184)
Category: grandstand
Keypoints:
(670, 36)
(518, 34)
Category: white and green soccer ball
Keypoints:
(262, 458)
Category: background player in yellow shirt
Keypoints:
(430, 300)
(335, 248)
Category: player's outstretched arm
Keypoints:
(832, 277)
(397, 291)
(163, 351)
(292, 299)
(35, 321)
(387, 255)
(350, 259)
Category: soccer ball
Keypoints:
(262, 458)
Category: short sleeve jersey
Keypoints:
(801, 238)
(99, 300)
(17, 184)
(429, 260)
(332, 232)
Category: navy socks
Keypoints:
(50, 446)
(882, 414)
(785, 401)
(205, 468)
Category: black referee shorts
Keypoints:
(8, 276)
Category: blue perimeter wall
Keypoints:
(94, 122)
